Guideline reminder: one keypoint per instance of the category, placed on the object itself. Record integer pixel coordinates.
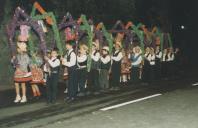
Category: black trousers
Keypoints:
(52, 85)
(81, 78)
(135, 74)
(116, 73)
(158, 71)
(164, 69)
(145, 73)
(94, 80)
(72, 82)
(151, 73)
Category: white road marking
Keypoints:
(129, 102)
(195, 84)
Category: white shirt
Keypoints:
(95, 57)
(151, 59)
(72, 61)
(81, 59)
(105, 60)
(159, 55)
(164, 58)
(139, 60)
(53, 63)
(171, 58)
(118, 57)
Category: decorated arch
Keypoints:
(21, 18)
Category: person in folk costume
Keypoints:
(46, 68)
(146, 66)
(177, 62)
(105, 67)
(37, 74)
(82, 68)
(53, 76)
(136, 59)
(21, 63)
(164, 63)
(95, 67)
(170, 62)
(158, 56)
(151, 59)
(70, 61)
(116, 65)
(125, 67)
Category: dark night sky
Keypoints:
(178, 12)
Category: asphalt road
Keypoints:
(174, 106)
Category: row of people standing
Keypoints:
(106, 69)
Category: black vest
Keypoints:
(69, 59)
(83, 63)
(106, 66)
(115, 55)
(116, 64)
(56, 69)
(95, 64)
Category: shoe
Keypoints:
(24, 99)
(18, 99)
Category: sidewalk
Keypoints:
(6, 87)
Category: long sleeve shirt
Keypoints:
(82, 61)
(171, 57)
(70, 59)
(151, 59)
(105, 60)
(54, 62)
(23, 61)
(95, 56)
(158, 55)
(118, 57)
(137, 61)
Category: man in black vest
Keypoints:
(69, 61)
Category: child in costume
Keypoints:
(52, 78)
(70, 61)
(136, 59)
(22, 75)
(164, 64)
(116, 66)
(95, 66)
(82, 68)
(158, 56)
(125, 68)
(146, 66)
(105, 67)
(37, 75)
(151, 59)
